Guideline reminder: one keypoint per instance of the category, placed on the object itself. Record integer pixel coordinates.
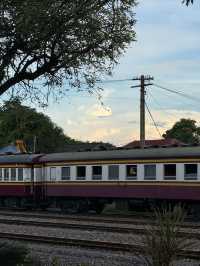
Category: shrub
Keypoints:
(11, 254)
(162, 243)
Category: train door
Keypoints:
(39, 186)
(25, 174)
(43, 185)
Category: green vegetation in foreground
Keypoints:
(13, 255)
(18, 255)
(161, 247)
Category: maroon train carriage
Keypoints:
(84, 180)
(17, 187)
(88, 180)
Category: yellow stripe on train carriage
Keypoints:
(15, 183)
(107, 162)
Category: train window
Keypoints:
(0, 174)
(170, 171)
(53, 173)
(13, 174)
(150, 172)
(6, 174)
(131, 172)
(80, 172)
(113, 172)
(96, 172)
(190, 171)
(20, 174)
(65, 173)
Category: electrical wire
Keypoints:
(150, 114)
(113, 80)
(177, 92)
(158, 104)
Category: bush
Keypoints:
(163, 243)
(12, 255)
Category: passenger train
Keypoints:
(89, 180)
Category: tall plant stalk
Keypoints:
(162, 242)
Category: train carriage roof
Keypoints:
(19, 158)
(151, 153)
(118, 154)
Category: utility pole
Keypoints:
(142, 86)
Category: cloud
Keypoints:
(167, 36)
(167, 48)
(107, 92)
(99, 111)
(81, 108)
(100, 134)
(70, 122)
(132, 122)
(159, 124)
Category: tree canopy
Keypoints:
(187, 2)
(54, 40)
(21, 122)
(184, 130)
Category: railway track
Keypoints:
(100, 245)
(88, 218)
(94, 218)
(87, 227)
(134, 249)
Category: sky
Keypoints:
(167, 48)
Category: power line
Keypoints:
(178, 92)
(113, 80)
(150, 114)
(158, 104)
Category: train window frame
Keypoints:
(65, 177)
(52, 177)
(19, 176)
(13, 174)
(149, 177)
(133, 176)
(97, 176)
(192, 176)
(170, 177)
(1, 174)
(80, 176)
(110, 176)
(6, 174)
